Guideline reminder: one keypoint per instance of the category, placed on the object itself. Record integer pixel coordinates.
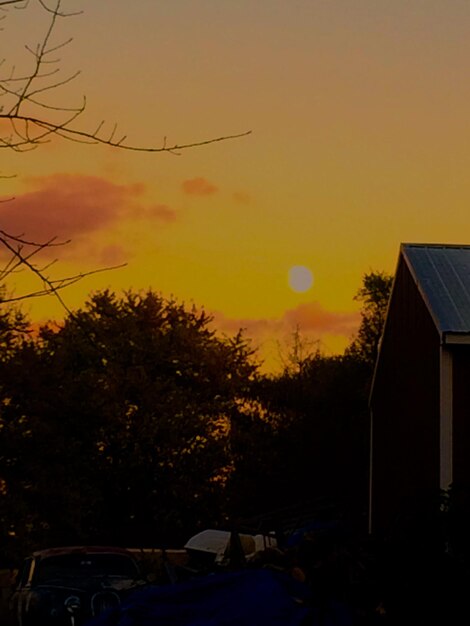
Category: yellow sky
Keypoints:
(360, 118)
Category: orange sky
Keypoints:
(360, 118)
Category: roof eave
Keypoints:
(455, 339)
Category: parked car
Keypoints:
(68, 586)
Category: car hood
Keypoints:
(108, 583)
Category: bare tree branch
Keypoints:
(64, 130)
(4, 2)
(21, 258)
(28, 129)
(28, 120)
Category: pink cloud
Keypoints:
(161, 212)
(311, 316)
(252, 326)
(198, 187)
(273, 336)
(308, 317)
(241, 197)
(113, 255)
(69, 205)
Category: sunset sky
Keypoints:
(360, 120)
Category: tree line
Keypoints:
(134, 422)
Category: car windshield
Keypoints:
(85, 566)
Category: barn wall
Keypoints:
(405, 405)
(461, 415)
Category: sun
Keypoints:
(300, 278)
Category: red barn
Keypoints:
(420, 398)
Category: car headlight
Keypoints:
(72, 604)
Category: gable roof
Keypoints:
(442, 274)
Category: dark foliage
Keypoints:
(321, 443)
(133, 423)
(120, 424)
(374, 295)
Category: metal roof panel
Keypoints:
(442, 273)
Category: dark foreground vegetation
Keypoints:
(133, 423)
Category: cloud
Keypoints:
(70, 205)
(198, 187)
(311, 316)
(161, 212)
(253, 327)
(333, 329)
(308, 317)
(241, 197)
(201, 187)
(113, 254)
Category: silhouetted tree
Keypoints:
(134, 420)
(322, 428)
(374, 295)
(123, 419)
(297, 352)
(320, 446)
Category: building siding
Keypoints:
(405, 405)
(461, 415)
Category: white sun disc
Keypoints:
(300, 278)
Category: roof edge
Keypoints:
(434, 245)
(379, 347)
(421, 291)
(451, 338)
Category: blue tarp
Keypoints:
(246, 598)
